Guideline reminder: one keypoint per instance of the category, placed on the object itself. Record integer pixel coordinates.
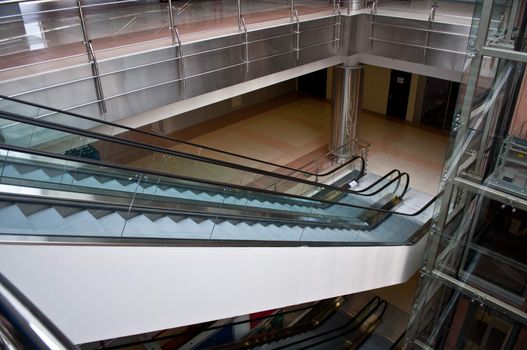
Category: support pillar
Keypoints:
(345, 110)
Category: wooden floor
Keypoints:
(292, 130)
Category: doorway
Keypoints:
(314, 83)
(398, 94)
(439, 103)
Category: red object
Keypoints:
(254, 317)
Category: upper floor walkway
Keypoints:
(141, 61)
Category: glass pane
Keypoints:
(50, 27)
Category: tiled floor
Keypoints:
(285, 133)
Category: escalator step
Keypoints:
(13, 220)
(140, 226)
(29, 209)
(11, 171)
(50, 222)
(23, 168)
(85, 224)
(112, 223)
(187, 228)
(67, 211)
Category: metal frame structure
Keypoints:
(465, 186)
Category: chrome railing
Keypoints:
(23, 326)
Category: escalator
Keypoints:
(163, 204)
(61, 133)
(340, 332)
(189, 215)
(86, 198)
(314, 170)
(323, 325)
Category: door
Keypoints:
(398, 95)
(439, 103)
(314, 83)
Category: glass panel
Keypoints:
(198, 16)
(50, 27)
(452, 320)
(113, 24)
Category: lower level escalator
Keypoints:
(326, 324)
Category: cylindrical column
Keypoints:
(345, 109)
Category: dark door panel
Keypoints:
(399, 92)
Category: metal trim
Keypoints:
(481, 296)
(505, 54)
(505, 198)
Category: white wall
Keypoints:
(100, 292)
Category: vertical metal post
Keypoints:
(297, 34)
(171, 18)
(239, 4)
(246, 44)
(431, 17)
(83, 28)
(292, 9)
(338, 25)
(181, 65)
(474, 71)
(513, 12)
(93, 60)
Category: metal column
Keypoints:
(345, 109)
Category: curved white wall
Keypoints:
(100, 292)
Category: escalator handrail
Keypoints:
(389, 183)
(181, 141)
(27, 320)
(214, 183)
(398, 341)
(301, 327)
(375, 302)
(168, 337)
(388, 174)
(134, 144)
(383, 305)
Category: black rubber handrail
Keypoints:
(53, 126)
(303, 199)
(193, 333)
(375, 302)
(395, 179)
(398, 342)
(382, 305)
(385, 176)
(179, 141)
(133, 144)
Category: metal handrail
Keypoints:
(24, 326)
(163, 137)
(133, 144)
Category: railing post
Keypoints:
(181, 65)
(171, 18)
(246, 44)
(239, 4)
(92, 59)
(297, 34)
(292, 10)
